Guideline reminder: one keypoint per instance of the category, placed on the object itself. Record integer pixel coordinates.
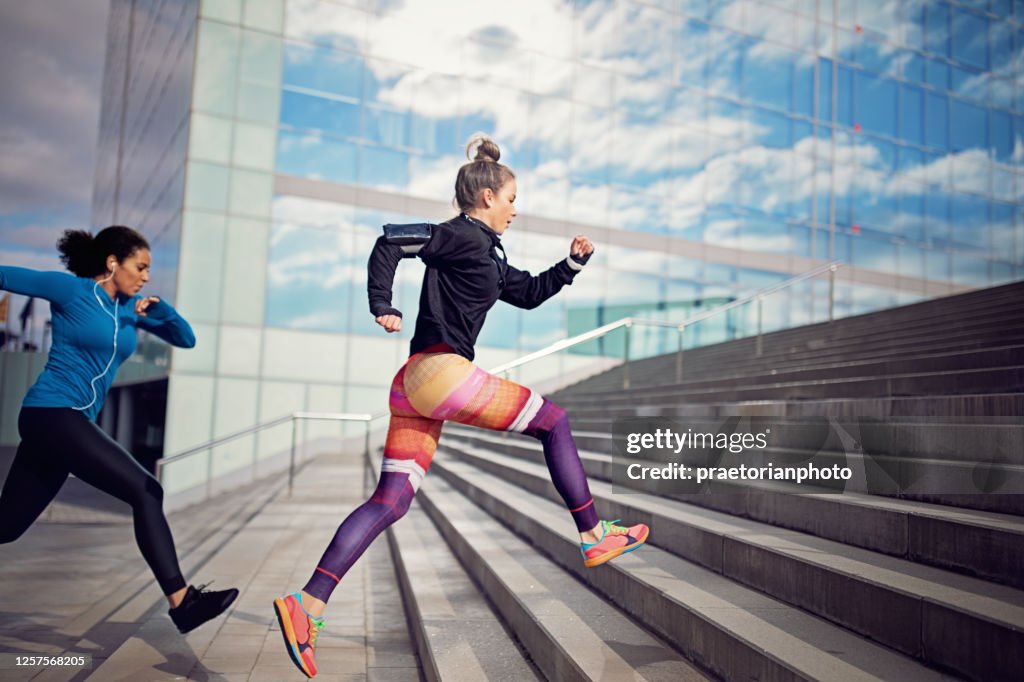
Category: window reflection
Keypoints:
(708, 129)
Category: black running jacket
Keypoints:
(466, 274)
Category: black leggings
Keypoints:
(56, 442)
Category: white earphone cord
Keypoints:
(92, 384)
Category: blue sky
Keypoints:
(52, 56)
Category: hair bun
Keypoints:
(486, 149)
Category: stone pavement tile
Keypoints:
(245, 624)
(341, 660)
(392, 675)
(279, 673)
(230, 645)
(272, 651)
(228, 664)
(220, 677)
(333, 639)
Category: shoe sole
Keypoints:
(224, 607)
(608, 556)
(288, 632)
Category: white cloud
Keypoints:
(52, 54)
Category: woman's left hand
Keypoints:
(143, 303)
(581, 246)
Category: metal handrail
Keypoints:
(294, 418)
(629, 322)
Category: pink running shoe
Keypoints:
(615, 540)
(300, 631)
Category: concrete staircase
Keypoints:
(768, 581)
(483, 578)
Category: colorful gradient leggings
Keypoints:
(428, 390)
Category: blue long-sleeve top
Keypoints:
(83, 362)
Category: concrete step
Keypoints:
(570, 633)
(1001, 380)
(739, 357)
(457, 634)
(987, 483)
(976, 405)
(985, 545)
(889, 330)
(742, 363)
(734, 631)
(969, 441)
(742, 360)
(919, 364)
(848, 583)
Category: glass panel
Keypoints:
(1001, 129)
(383, 168)
(937, 120)
(825, 89)
(315, 156)
(251, 192)
(254, 146)
(969, 38)
(310, 271)
(692, 53)
(259, 102)
(937, 28)
(970, 221)
(245, 271)
(768, 76)
(201, 267)
(937, 74)
(968, 126)
(207, 186)
(210, 139)
(875, 103)
(216, 71)
(322, 70)
(266, 15)
(335, 116)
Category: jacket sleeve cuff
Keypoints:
(573, 265)
(382, 310)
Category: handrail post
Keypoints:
(679, 356)
(625, 365)
(831, 291)
(367, 438)
(760, 312)
(291, 458)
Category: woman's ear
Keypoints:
(488, 197)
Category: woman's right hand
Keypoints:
(392, 323)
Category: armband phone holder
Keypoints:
(408, 234)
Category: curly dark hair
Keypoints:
(86, 256)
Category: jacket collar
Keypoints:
(495, 237)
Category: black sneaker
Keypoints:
(199, 606)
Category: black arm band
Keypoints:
(411, 237)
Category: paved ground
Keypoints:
(81, 587)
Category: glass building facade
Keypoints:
(708, 147)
